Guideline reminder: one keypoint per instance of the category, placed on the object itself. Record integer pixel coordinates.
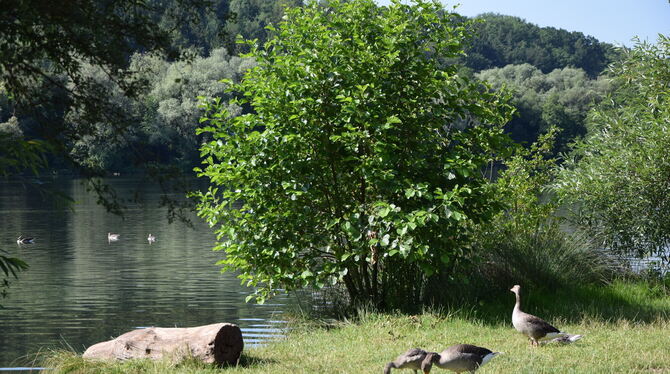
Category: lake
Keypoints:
(80, 289)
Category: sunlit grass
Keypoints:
(616, 339)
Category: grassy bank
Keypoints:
(617, 339)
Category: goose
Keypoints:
(537, 329)
(112, 237)
(151, 238)
(463, 357)
(415, 359)
(22, 240)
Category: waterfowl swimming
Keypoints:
(463, 357)
(112, 237)
(151, 238)
(22, 240)
(536, 328)
(415, 359)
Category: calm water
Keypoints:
(81, 290)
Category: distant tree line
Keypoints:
(561, 98)
(147, 111)
(503, 40)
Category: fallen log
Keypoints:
(219, 343)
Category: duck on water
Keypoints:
(112, 237)
(26, 240)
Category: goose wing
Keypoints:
(470, 351)
(469, 348)
(538, 324)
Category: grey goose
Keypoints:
(463, 357)
(415, 359)
(535, 328)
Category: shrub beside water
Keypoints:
(526, 243)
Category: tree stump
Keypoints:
(219, 343)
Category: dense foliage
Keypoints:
(164, 119)
(108, 96)
(361, 162)
(38, 37)
(94, 104)
(9, 266)
(525, 243)
(503, 40)
(618, 178)
(561, 98)
(252, 17)
(219, 22)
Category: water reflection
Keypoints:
(81, 289)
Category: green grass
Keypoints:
(617, 340)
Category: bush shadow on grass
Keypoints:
(245, 361)
(633, 301)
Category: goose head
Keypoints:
(427, 363)
(516, 289)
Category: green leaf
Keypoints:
(385, 240)
(446, 259)
(383, 212)
(410, 193)
(306, 274)
(393, 120)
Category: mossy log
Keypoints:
(219, 343)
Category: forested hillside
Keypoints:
(560, 98)
(146, 113)
(503, 40)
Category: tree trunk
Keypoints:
(217, 343)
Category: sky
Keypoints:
(612, 21)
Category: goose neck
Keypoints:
(517, 305)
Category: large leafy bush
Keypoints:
(361, 163)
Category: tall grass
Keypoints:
(546, 257)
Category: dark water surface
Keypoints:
(81, 290)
